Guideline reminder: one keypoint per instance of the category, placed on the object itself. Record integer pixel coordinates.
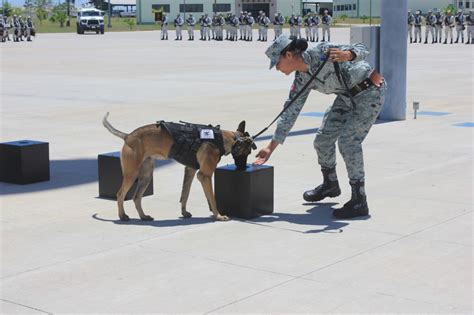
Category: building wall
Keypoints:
(145, 14)
(362, 7)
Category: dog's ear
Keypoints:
(241, 127)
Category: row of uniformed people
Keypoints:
(436, 22)
(311, 23)
(21, 28)
(240, 28)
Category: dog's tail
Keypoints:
(112, 130)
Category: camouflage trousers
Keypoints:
(348, 127)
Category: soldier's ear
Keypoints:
(241, 127)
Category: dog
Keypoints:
(150, 142)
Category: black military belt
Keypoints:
(362, 86)
(374, 79)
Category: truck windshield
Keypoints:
(90, 13)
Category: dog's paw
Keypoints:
(222, 218)
(147, 218)
(124, 217)
(186, 214)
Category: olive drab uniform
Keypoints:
(470, 27)
(448, 27)
(343, 122)
(164, 27)
(459, 19)
(191, 21)
(178, 24)
(411, 22)
(430, 21)
(327, 20)
(278, 22)
(418, 21)
(439, 28)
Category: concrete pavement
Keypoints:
(63, 250)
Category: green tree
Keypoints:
(364, 18)
(17, 11)
(450, 8)
(41, 9)
(59, 14)
(7, 9)
(343, 17)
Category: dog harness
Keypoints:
(188, 138)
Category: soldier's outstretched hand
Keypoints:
(264, 154)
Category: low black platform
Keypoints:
(244, 194)
(24, 162)
(110, 177)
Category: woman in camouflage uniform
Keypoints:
(342, 122)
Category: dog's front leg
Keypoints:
(206, 182)
(187, 181)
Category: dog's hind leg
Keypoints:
(129, 172)
(187, 181)
(144, 177)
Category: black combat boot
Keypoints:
(451, 41)
(445, 41)
(426, 41)
(357, 206)
(457, 40)
(329, 187)
(411, 40)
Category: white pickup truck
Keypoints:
(90, 19)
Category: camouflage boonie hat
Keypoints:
(273, 52)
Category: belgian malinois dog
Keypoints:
(150, 142)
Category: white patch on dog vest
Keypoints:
(207, 134)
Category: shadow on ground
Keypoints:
(319, 215)
(65, 173)
(159, 223)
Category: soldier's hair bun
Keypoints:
(297, 45)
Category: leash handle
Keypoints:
(294, 98)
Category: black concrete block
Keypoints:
(24, 162)
(244, 194)
(110, 177)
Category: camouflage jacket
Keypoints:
(326, 81)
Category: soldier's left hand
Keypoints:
(337, 55)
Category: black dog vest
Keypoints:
(188, 138)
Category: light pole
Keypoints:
(109, 22)
(184, 9)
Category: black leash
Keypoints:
(294, 98)
(340, 77)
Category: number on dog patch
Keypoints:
(207, 134)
